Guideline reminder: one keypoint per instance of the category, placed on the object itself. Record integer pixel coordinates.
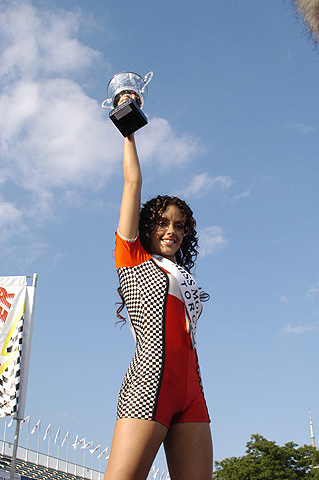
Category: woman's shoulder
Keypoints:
(129, 252)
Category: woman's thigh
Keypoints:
(189, 451)
(134, 447)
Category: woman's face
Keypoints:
(168, 234)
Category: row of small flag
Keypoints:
(77, 443)
(82, 444)
(156, 472)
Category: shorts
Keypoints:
(181, 398)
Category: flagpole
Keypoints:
(15, 448)
(5, 429)
(49, 441)
(92, 468)
(58, 450)
(84, 462)
(76, 461)
(67, 456)
(28, 436)
(37, 460)
(67, 450)
(100, 468)
(100, 457)
(4, 435)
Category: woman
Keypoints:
(161, 398)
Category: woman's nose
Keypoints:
(170, 228)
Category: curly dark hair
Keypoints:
(150, 214)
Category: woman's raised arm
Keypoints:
(131, 198)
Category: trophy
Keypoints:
(128, 116)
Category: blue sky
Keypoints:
(233, 129)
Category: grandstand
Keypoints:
(38, 466)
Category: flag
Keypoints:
(10, 423)
(104, 452)
(47, 431)
(93, 450)
(16, 320)
(25, 420)
(168, 477)
(87, 445)
(156, 473)
(75, 444)
(66, 436)
(36, 426)
(162, 475)
(78, 442)
(57, 435)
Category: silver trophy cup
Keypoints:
(128, 116)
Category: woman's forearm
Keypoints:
(131, 198)
(131, 165)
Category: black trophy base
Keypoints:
(128, 117)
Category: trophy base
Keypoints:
(128, 117)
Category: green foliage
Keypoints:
(265, 460)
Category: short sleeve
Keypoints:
(128, 253)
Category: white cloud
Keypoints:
(204, 182)
(22, 255)
(284, 299)
(244, 194)
(302, 127)
(211, 240)
(10, 220)
(299, 329)
(313, 291)
(41, 42)
(160, 146)
(63, 137)
(54, 136)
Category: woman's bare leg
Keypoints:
(189, 451)
(134, 446)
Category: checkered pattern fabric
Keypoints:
(144, 288)
(10, 379)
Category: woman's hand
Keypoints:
(125, 97)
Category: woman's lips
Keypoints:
(168, 242)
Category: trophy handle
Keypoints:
(148, 77)
(107, 103)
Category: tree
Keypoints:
(265, 460)
(309, 11)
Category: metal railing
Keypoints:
(31, 461)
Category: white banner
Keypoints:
(16, 321)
